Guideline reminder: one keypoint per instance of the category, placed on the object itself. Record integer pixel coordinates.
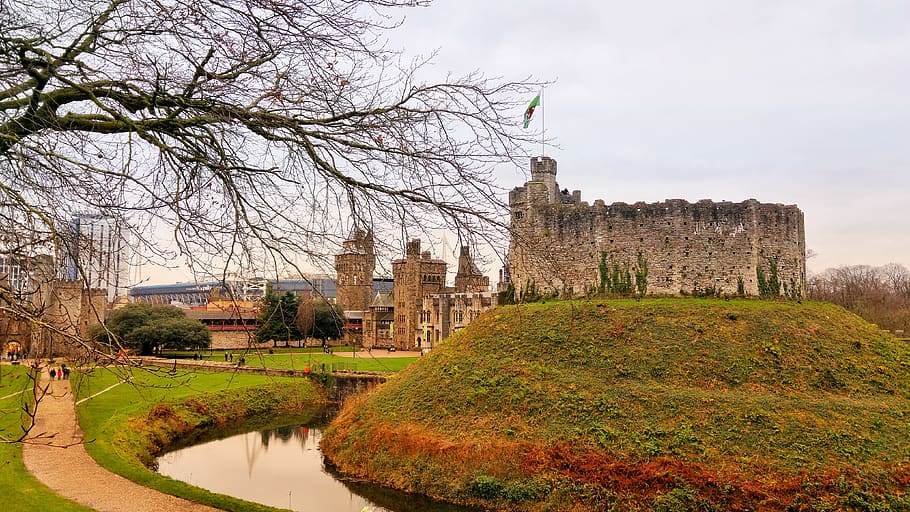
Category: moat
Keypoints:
(284, 468)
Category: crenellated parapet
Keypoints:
(671, 247)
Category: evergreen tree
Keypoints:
(276, 320)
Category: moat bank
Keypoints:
(130, 443)
(662, 404)
(129, 425)
(283, 467)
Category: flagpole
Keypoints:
(543, 124)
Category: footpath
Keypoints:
(55, 455)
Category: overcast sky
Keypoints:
(797, 102)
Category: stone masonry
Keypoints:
(563, 245)
(415, 276)
(355, 266)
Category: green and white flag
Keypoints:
(530, 110)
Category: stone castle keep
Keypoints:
(564, 245)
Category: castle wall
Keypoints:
(71, 312)
(689, 248)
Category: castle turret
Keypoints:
(543, 170)
(469, 278)
(354, 268)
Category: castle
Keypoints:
(560, 244)
(420, 310)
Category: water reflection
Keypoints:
(284, 468)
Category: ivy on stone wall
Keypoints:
(768, 284)
(532, 294)
(621, 280)
(604, 273)
(616, 279)
(508, 295)
(641, 275)
(795, 293)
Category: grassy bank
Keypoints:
(130, 424)
(20, 490)
(654, 405)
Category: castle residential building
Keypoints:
(416, 276)
(448, 312)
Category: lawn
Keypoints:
(315, 359)
(20, 490)
(104, 417)
(120, 424)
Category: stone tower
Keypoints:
(543, 170)
(415, 276)
(354, 267)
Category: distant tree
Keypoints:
(276, 320)
(305, 318)
(149, 328)
(897, 278)
(880, 295)
(329, 320)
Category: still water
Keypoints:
(284, 468)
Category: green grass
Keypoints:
(646, 405)
(21, 492)
(127, 425)
(315, 359)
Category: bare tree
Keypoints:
(878, 294)
(254, 132)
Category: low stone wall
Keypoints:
(236, 340)
(222, 340)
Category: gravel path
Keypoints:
(54, 454)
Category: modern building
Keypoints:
(96, 252)
(245, 290)
(23, 276)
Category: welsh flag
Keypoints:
(530, 110)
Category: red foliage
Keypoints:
(734, 490)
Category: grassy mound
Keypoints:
(655, 405)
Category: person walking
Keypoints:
(53, 373)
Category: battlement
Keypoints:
(672, 247)
(541, 165)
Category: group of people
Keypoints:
(229, 357)
(62, 373)
(14, 356)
